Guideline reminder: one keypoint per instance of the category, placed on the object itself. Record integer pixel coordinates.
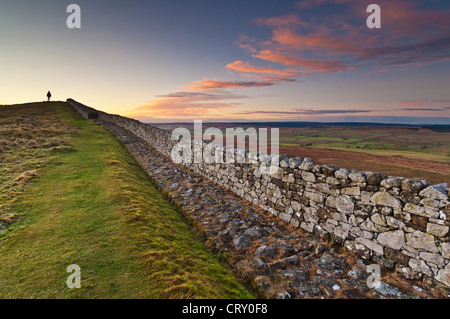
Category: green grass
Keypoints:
(96, 208)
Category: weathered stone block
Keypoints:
(295, 162)
(392, 182)
(329, 169)
(341, 233)
(394, 222)
(438, 191)
(420, 266)
(445, 250)
(331, 201)
(370, 244)
(378, 220)
(392, 239)
(374, 178)
(309, 177)
(430, 202)
(414, 185)
(437, 230)
(284, 162)
(327, 226)
(322, 188)
(316, 197)
(357, 177)
(285, 217)
(444, 275)
(288, 178)
(310, 215)
(434, 258)
(277, 173)
(369, 226)
(420, 240)
(342, 173)
(345, 204)
(296, 206)
(306, 165)
(365, 197)
(353, 191)
(277, 193)
(332, 181)
(357, 248)
(357, 232)
(309, 227)
(420, 210)
(384, 198)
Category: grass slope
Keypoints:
(95, 208)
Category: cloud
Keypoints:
(248, 68)
(303, 111)
(432, 105)
(308, 64)
(328, 41)
(340, 41)
(184, 104)
(423, 109)
(203, 96)
(213, 84)
(424, 102)
(244, 43)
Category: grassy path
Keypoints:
(95, 208)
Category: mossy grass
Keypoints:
(93, 206)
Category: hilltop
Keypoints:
(72, 194)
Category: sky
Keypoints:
(251, 60)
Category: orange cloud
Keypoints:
(213, 84)
(248, 68)
(184, 105)
(311, 64)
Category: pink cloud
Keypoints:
(409, 37)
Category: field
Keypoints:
(408, 151)
(72, 194)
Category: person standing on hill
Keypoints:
(49, 95)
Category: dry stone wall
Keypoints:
(397, 222)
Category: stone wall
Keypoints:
(397, 222)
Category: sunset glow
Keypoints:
(169, 61)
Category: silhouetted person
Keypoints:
(49, 95)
